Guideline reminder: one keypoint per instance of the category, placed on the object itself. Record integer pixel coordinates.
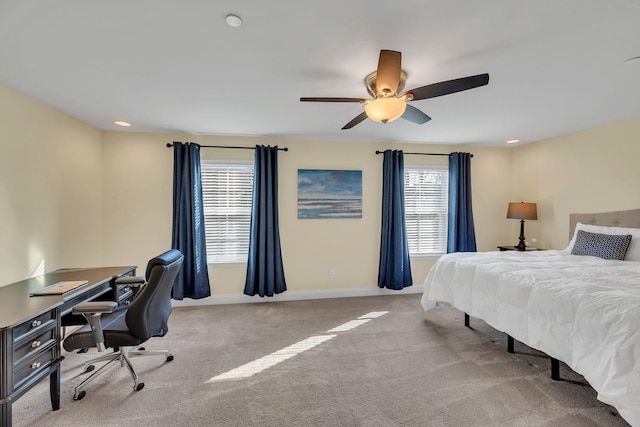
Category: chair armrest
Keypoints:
(135, 283)
(130, 280)
(92, 311)
(95, 307)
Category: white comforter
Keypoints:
(582, 310)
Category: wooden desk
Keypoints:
(30, 330)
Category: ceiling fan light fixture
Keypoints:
(385, 109)
(389, 102)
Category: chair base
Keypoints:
(123, 356)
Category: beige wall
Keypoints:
(50, 189)
(594, 170)
(71, 195)
(138, 192)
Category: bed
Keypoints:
(582, 310)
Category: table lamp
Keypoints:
(522, 211)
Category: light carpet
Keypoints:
(370, 361)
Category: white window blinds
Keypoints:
(426, 202)
(226, 193)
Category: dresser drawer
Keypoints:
(38, 363)
(27, 347)
(124, 295)
(33, 324)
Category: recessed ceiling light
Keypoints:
(513, 141)
(233, 20)
(121, 123)
(634, 60)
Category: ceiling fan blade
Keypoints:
(388, 73)
(358, 119)
(448, 87)
(332, 99)
(414, 115)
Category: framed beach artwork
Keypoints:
(329, 194)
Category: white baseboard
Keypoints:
(296, 296)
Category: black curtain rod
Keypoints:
(169, 145)
(423, 154)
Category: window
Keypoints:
(226, 193)
(426, 201)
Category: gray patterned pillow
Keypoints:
(607, 246)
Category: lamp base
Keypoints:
(521, 246)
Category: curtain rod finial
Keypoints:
(169, 145)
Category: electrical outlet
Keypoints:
(332, 273)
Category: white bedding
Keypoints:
(582, 310)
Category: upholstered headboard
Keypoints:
(630, 218)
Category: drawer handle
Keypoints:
(36, 323)
(35, 344)
(35, 365)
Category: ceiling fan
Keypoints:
(385, 85)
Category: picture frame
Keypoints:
(329, 194)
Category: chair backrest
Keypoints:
(149, 312)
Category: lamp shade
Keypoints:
(522, 210)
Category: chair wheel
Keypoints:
(141, 348)
(90, 368)
(138, 387)
(80, 395)
(169, 358)
(82, 350)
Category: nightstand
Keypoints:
(513, 248)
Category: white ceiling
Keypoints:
(175, 66)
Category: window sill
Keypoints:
(426, 256)
(227, 264)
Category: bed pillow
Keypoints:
(633, 253)
(607, 246)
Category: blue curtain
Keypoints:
(395, 268)
(188, 223)
(461, 235)
(265, 273)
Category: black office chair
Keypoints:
(144, 318)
